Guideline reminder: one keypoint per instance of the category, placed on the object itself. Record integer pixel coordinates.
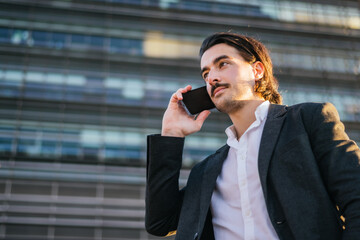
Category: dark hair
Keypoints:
(251, 50)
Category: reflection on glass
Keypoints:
(291, 11)
(346, 101)
(13, 75)
(59, 40)
(33, 76)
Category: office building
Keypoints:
(82, 82)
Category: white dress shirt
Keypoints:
(237, 204)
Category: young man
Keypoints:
(285, 172)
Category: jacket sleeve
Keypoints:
(163, 197)
(339, 162)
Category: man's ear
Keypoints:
(259, 69)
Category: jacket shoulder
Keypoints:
(309, 106)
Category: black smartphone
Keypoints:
(197, 100)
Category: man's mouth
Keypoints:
(218, 87)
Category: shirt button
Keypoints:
(248, 213)
(243, 183)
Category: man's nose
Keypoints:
(213, 77)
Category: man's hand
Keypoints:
(176, 122)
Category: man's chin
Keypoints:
(229, 106)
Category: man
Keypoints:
(285, 172)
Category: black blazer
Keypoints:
(308, 169)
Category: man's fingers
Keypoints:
(202, 117)
(186, 89)
(177, 96)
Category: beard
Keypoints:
(230, 102)
(229, 106)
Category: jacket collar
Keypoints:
(211, 172)
(268, 141)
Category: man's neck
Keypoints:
(245, 116)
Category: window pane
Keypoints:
(76, 80)
(34, 76)
(5, 34)
(58, 40)
(14, 75)
(41, 38)
(54, 78)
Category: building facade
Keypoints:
(82, 82)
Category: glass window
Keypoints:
(130, 46)
(114, 98)
(58, 40)
(9, 90)
(41, 38)
(115, 152)
(70, 149)
(332, 15)
(79, 41)
(27, 146)
(48, 148)
(5, 145)
(318, 14)
(356, 69)
(138, 2)
(90, 152)
(113, 137)
(14, 75)
(339, 64)
(112, 152)
(286, 11)
(95, 83)
(5, 34)
(270, 9)
(54, 78)
(34, 76)
(353, 18)
(90, 137)
(7, 127)
(305, 62)
(170, 86)
(301, 13)
(34, 90)
(133, 138)
(204, 142)
(193, 5)
(112, 82)
(133, 89)
(132, 153)
(75, 80)
(153, 85)
(74, 93)
(117, 45)
(97, 42)
(19, 36)
(135, 47)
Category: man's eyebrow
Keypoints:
(215, 61)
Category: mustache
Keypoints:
(216, 85)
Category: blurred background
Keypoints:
(82, 82)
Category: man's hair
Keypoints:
(252, 51)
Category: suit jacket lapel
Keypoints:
(211, 172)
(274, 121)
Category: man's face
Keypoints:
(229, 78)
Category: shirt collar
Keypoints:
(261, 113)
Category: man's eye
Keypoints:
(205, 75)
(223, 64)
